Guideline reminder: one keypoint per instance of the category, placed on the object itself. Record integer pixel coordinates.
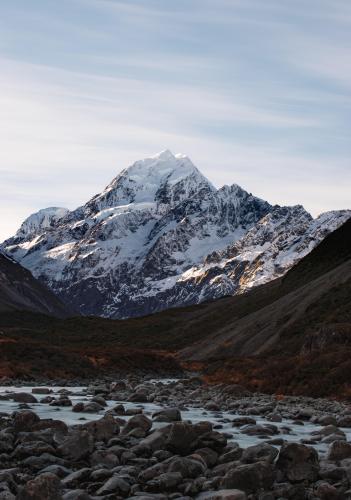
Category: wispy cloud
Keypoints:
(254, 92)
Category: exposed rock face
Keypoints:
(160, 235)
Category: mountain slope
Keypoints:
(291, 335)
(160, 236)
(291, 314)
(20, 291)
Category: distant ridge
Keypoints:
(19, 290)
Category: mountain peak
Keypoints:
(42, 220)
(164, 155)
(160, 235)
(153, 178)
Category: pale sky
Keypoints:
(255, 92)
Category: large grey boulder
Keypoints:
(77, 445)
(167, 415)
(298, 462)
(24, 397)
(182, 438)
(249, 477)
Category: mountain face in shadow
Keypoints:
(19, 291)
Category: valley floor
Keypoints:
(35, 348)
(140, 438)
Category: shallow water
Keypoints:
(296, 434)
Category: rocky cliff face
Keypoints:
(160, 235)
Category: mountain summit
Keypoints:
(161, 235)
(151, 183)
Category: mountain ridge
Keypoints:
(161, 235)
(19, 291)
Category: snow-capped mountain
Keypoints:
(161, 235)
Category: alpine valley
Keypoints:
(160, 235)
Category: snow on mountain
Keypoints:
(161, 235)
(42, 220)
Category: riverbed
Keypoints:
(288, 429)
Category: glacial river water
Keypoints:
(296, 433)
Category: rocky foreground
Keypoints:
(125, 453)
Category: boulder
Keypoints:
(103, 429)
(339, 450)
(118, 385)
(44, 487)
(327, 420)
(165, 482)
(298, 462)
(116, 485)
(74, 479)
(344, 421)
(39, 463)
(188, 467)
(100, 400)
(210, 457)
(259, 452)
(77, 445)
(24, 397)
(151, 472)
(104, 458)
(32, 449)
(222, 495)
(61, 401)
(326, 491)
(78, 407)
(231, 454)
(92, 407)
(182, 438)
(249, 477)
(24, 420)
(240, 421)
(77, 495)
(59, 470)
(260, 430)
(167, 415)
(5, 492)
(119, 409)
(138, 422)
(156, 440)
(41, 390)
(214, 440)
(138, 397)
(49, 423)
